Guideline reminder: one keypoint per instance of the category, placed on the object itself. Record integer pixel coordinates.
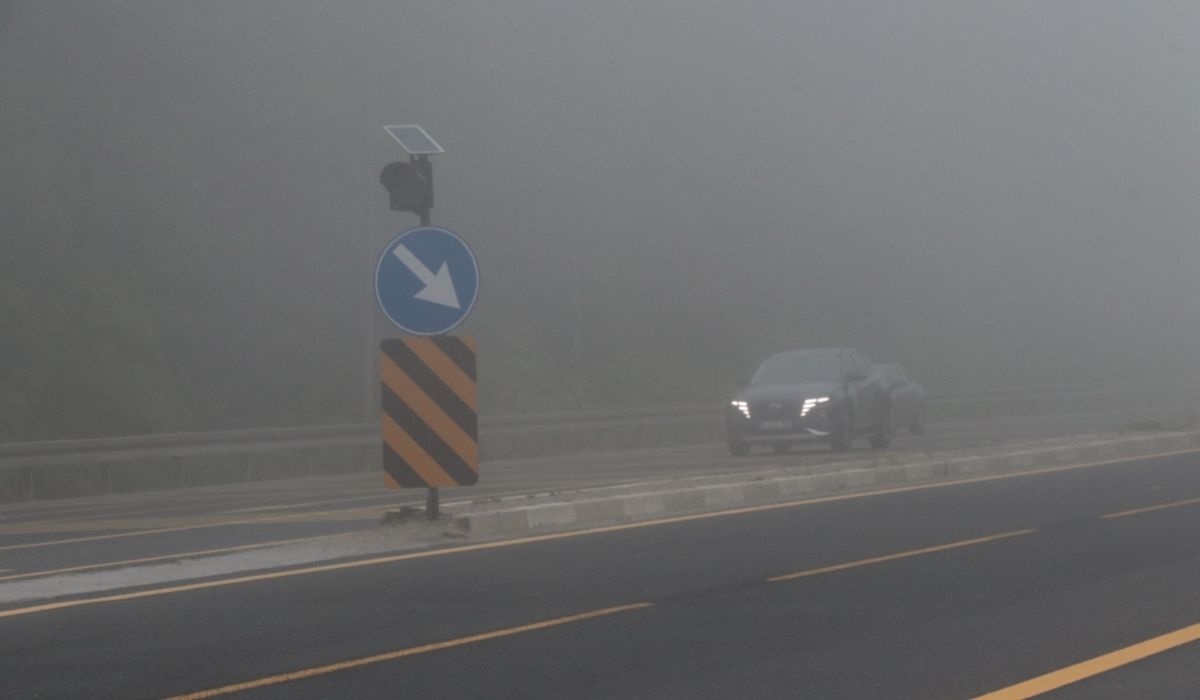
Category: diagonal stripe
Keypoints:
(406, 361)
(460, 349)
(445, 368)
(445, 457)
(389, 482)
(398, 471)
(403, 474)
(413, 456)
(430, 412)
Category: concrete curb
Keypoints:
(644, 501)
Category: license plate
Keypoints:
(775, 425)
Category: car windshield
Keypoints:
(796, 367)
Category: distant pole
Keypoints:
(372, 356)
(578, 341)
(366, 91)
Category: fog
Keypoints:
(993, 194)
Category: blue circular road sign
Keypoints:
(426, 281)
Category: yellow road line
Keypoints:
(164, 557)
(1149, 509)
(10, 518)
(139, 522)
(377, 561)
(411, 651)
(1096, 666)
(91, 510)
(102, 510)
(185, 528)
(388, 499)
(375, 497)
(899, 555)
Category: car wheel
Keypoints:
(739, 449)
(884, 430)
(781, 448)
(842, 436)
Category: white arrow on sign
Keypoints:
(439, 288)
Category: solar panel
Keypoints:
(413, 139)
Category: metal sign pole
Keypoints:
(425, 167)
(432, 505)
(410, 188)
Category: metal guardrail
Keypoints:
(554, 433)
(26, 454)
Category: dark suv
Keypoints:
(803, 395)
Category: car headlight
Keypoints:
(742, 406)
(810, 404)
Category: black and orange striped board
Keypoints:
(430, 412)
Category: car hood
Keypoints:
(788, 392)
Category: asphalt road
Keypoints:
(950, 590)
(98, 533)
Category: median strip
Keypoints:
(657, 499)
(164, 557)
(411, 651)
(533, 538)
(368, 512)
(446, 551)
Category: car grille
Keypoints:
(766, 410)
